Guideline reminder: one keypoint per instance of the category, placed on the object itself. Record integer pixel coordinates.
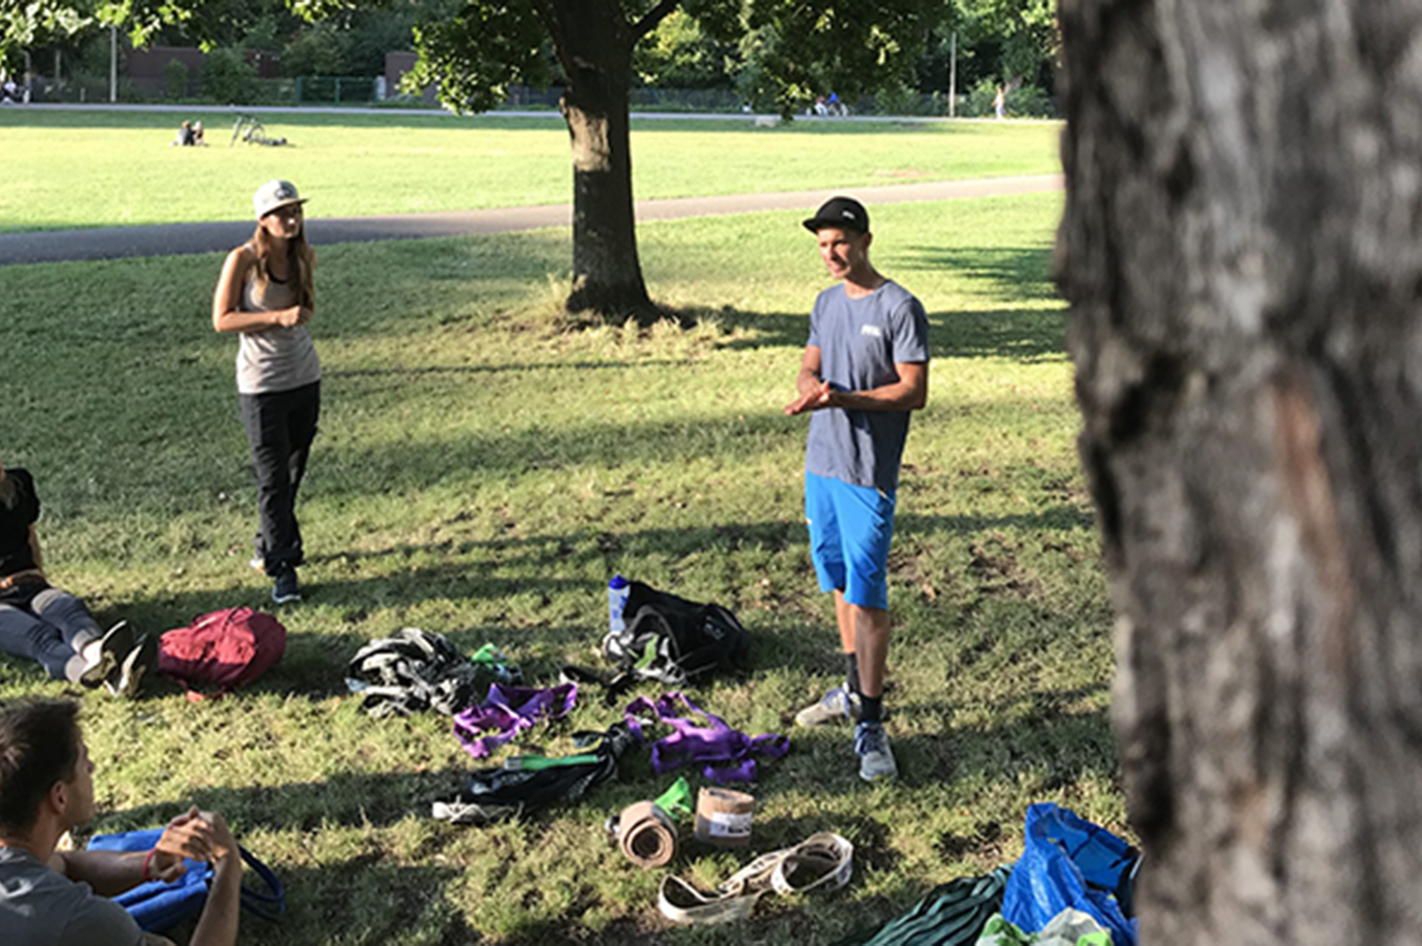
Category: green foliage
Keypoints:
(795, 50)
(478, 52)
(176, 78)
(228, 79)
(679, 54)
(318, 50)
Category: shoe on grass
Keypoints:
(139, 664)
(113, 647)
(286, 590)
(838, 706)
(876, 759)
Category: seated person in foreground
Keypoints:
(58, 898)
(52, 626)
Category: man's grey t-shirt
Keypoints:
(860, 340)
(39, 907)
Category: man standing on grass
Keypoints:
(864, 369)
(60, 898)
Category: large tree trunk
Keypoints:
(594, 45)
(1243, 250)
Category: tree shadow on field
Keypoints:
(1013, 274)
(1042, 739)
(350, 799)
(359, 900)
(1023, 335)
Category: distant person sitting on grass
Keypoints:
(51, 626)
(197, 135)
(185, 135)
(60, 898)
(265, 294)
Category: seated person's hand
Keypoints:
(195, 835)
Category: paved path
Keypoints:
(178, 239)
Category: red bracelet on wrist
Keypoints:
(147, 860)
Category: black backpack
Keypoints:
(415, 671)
(675, 641)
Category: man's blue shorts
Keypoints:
(850, 529)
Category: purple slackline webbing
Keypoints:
(713, 743)
(508, 711)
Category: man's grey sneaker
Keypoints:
(286, 590)
(139, 664)
(876, 759)
(838, 706)
(113, 647)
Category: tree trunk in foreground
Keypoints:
(594, 44)
(1242, 247)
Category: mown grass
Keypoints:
(481, 473)
(96, 168)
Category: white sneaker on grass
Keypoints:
(140, 663)
(109, 650)
(876, 759)
(838, 706)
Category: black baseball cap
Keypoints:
(843, 212)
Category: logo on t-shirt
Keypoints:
(873, 330)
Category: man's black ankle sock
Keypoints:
(871, 708)
(851, 671)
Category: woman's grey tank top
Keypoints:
(273, 359)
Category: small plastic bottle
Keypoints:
(616, 604)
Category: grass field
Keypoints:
(91, 169)
(482, 472)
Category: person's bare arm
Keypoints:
(808, 383)
(112, 872)
(218, 924)
(35, 548)
(227, 315)
(908, 393)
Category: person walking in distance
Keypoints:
(864, 369)
(265, 295)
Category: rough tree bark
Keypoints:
(1242, 248)
(593, 41)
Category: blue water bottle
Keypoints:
(616, 604)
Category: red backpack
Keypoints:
(225, 649)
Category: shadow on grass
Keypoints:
(351, 799)
(1023, 335)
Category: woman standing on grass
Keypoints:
(52, 626)
(265, 293)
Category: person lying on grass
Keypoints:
(56, 898)
(50, 626)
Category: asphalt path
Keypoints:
(180, 239)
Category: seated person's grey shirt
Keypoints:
(39, 907)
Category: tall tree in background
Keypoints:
(475, 49)
(1242, 248)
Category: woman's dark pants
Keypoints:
(280, 428)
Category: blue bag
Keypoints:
(1070, 862)
(157, 906)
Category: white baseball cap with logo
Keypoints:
(274, 195)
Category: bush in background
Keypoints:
(226, 78)
(176, 79)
